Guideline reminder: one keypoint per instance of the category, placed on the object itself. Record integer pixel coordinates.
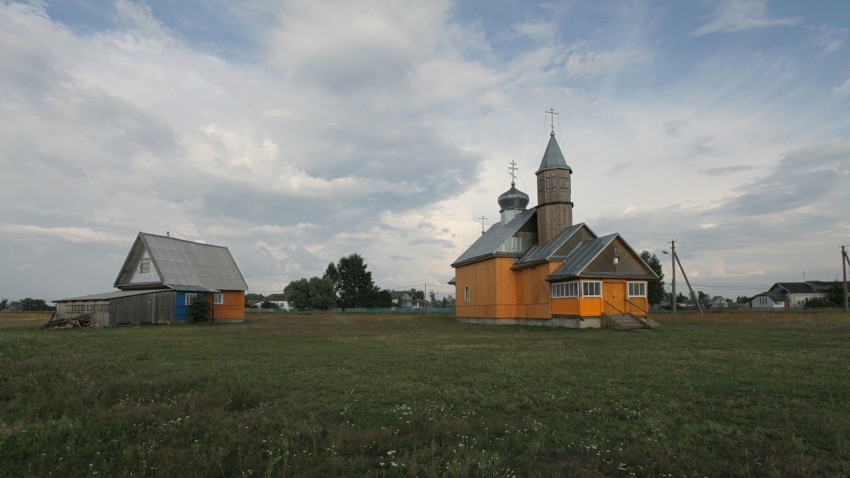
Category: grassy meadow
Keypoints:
(281, 395)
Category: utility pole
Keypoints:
(673, 281)
(844, 261)
(693, 295)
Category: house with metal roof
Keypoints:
(160, 278)
(792, 294)
(535, 267)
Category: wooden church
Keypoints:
(535, 267)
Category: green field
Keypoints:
(413, 395)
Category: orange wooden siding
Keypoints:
(497, 291)
(492, 289)
(233, 307)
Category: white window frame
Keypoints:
(588, 286)
(466, 293)
(641, 289)
(565, 290)
(145, 265)
(190, 298)
(218, 298)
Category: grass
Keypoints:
(734, 394)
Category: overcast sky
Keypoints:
(297, 132)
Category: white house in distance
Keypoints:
(783, 295)
(277, 300)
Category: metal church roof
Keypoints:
(547, 252)
(495, 240)
(583, 256)
(184, 265)
(553, 158)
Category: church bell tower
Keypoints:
(554, 207)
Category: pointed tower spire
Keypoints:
(554, 207)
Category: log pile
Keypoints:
(78, 322)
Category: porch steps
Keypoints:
(627, 322)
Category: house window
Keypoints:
(466, 293)
(218, 298)
(145, 265)
(591, 289)
(191, 297)
(565, 289)
(637, 289)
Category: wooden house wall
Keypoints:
(233, 307)
(492, 289)
(627, 263)
(534, 292)
(98, 310)
(143, 308)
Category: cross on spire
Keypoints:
(513, 169)
(552, 113)
(483, 222)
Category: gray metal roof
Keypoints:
(182, 264)
(553, 158)
(494, 241)
(546, 252)
(110, 295)
(581, 258)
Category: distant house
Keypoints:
(401, 298)
(791, 294)
(160, 278)
(767, 301)
(277, 300)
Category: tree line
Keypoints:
(346, 284)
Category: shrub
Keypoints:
(200, 311)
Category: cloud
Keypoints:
(843, 88)
(589, 64)
(732, 16)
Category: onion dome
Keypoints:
(513, 199)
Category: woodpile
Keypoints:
(78, 322)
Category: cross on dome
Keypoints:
(513, 169)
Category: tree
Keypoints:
(35, 304)
(416, 293)
(352, 283)
(200, 311)
(313, 293)
(267, 305)
(4, 303)
(655, 292)
(433, 298)
(836, 293)
(702, 296)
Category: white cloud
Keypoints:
(842, 88)
(732, 16)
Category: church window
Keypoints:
(550, 186)
(145, 265)
(565, 289)
(637, 289)
(466, 293)
(591, 289)
(565, 185)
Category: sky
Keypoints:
(298, 132)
